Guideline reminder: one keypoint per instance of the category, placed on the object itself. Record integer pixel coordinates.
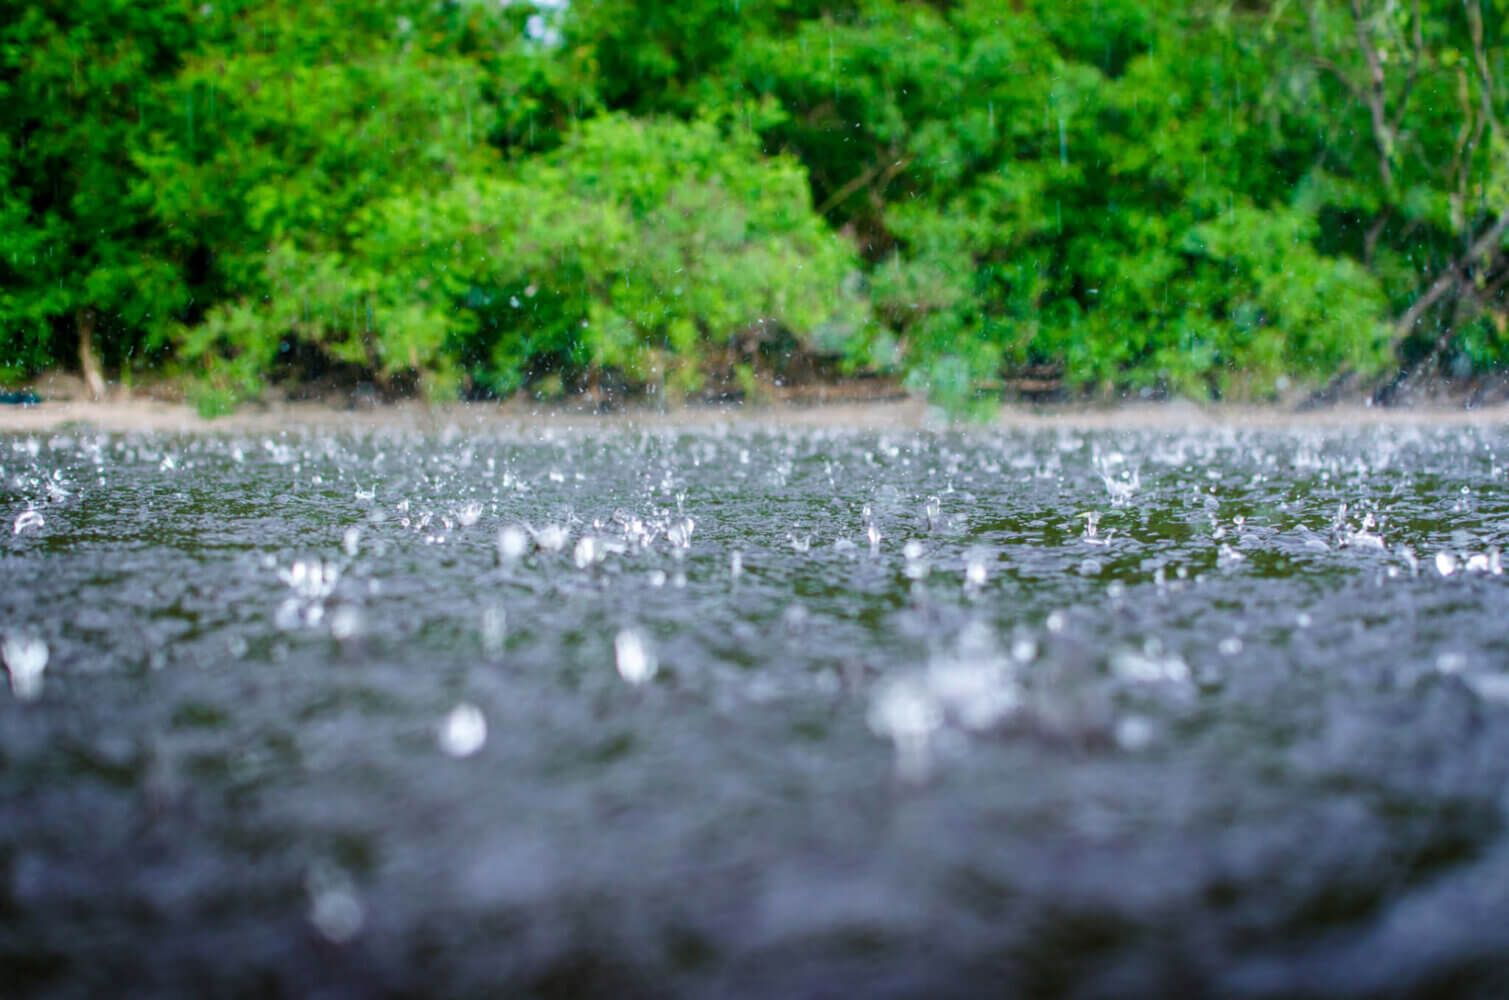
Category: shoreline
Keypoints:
(141, 415)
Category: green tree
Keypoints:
(1192, 196)
(311, 114)
(633, 250)
(84, 269)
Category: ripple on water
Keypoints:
(1117, 713)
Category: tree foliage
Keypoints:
(1195, 196)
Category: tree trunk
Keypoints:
(89, 364)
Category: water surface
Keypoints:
(756, 712)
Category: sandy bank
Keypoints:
(135, 415)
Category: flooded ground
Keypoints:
(786, 712)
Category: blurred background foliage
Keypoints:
(1203, 197)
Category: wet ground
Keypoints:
(743, 712)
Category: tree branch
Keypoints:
(1480, 59)
(1415, 53)
(1375, 96)
(1483, 245)
(89, 362)
(1371, 237)
(883, 171)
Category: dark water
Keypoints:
(1113, 714)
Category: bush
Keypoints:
(1189, 195)
(639, 249)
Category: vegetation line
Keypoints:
(662, 201)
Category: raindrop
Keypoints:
(975, 573)
(469, 514)
(345, 622)
(463, 732)
(904, 712)
(933, 510)
(1134, 733)
(916, 567)
(25, 658)
(679, 534)
(27, 520)
(1451, 663)
(334, 909)
(513, 542)
(1024, 649)
(551, 538)
(494, 629)
(1150, 665)
(311, 579)
(634, 657)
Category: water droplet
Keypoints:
(464, 731)
(311, 579)
(346, 622)
(1134, 733)
(679, 534)
(1024, 649)
(634, 657)
(494, 629)
(1446, 563)
(903, 711)
(551, 538)
(513, 542)
(1150, 665)
(975, 573)
(1451, 663)
(26, 659)
(334, 909)
(26, 521)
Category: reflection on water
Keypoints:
(756, 712)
